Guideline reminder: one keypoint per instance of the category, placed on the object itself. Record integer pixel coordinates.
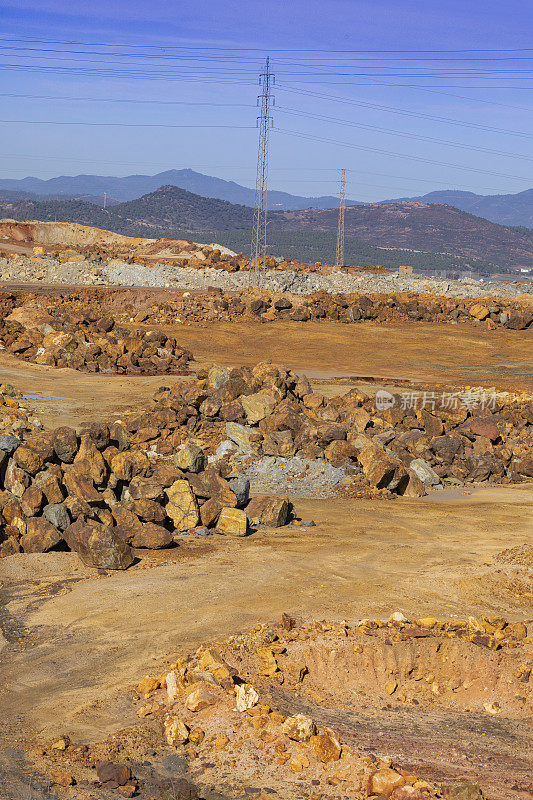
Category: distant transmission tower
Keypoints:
(264, 122)
(340, 227)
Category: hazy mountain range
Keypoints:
(505, 209)
(407, 225)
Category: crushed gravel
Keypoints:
(298, 477)
(120, 273)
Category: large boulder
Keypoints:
(182, 507)
(270, 511)
(424, 472)
(28, 459)
(81, 487)
(483, 426)
(381, 469)
(242, 436)
(152, 536)
(65, 443)
(259, 405)
(190, 458)
(232, 521)
(98, 545)
(128, 464)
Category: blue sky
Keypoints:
(356, 67)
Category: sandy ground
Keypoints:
(76, 641)
(438, 354)
(79, 639)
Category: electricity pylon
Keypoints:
(339, 256)
(264, 123)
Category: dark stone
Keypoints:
(57, 514)
(113, 775)
(241, 487)
(282, 304)
(65, 444)
(8, 443)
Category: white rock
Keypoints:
(397, 616)
(172, 686)
(247, 697)
(423, 471)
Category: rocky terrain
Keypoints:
(263, 702)
(178, 489)
(145, 481)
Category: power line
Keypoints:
(405, 134)
(339, 255)
(398, 155)
(403, 111)
(271, 49)
(118, 124)
(126, 100)
(259, 231)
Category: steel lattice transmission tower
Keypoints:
(264, 122)
(339, 256)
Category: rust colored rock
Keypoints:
(149, 511)
(128, 524)
(287, 621)
(31, 501)
(98, 545)
(202, 695)
(65, 444)
(408, 793)
(40, 536)
(270, 511)
(60, 778)
(152, 537)
(479, 311)
(89, 461)
(414, 487)
(128, 464)
(28, 459)
(210, 512)
(483, 426)
(50, 486)
(385, 781)
(81, 487)
(146, 488)
(326, 746)
(339, 452)
(113, 775)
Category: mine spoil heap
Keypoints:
(85, 333)
(142, 482)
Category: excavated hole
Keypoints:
(454, 674)
(446, 708)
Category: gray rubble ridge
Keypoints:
(120, 273)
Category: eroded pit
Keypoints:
(399, 709)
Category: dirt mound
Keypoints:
(408, 710)
(67, 234)
(521, 556)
